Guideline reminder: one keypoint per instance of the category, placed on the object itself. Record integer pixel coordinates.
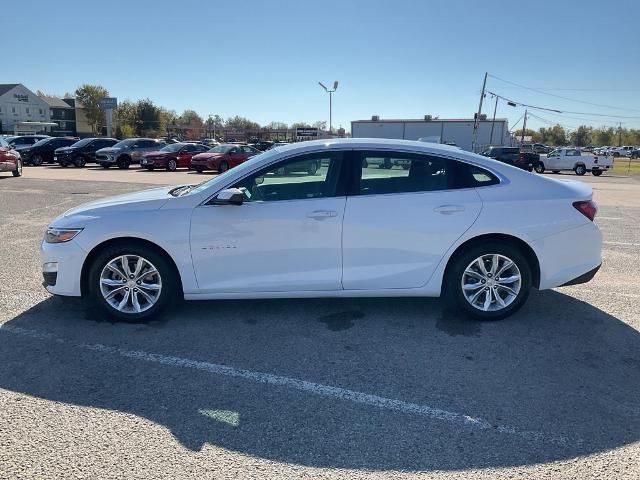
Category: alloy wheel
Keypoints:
(491, 282)
(130, 284)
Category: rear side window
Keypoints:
(387, 172)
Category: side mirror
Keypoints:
(229, 196)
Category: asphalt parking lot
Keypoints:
(348, 388)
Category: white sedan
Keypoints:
(450, 223)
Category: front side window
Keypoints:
(298, 178)
(396, 172)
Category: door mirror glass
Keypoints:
(229, 196)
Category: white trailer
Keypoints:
(458, 131)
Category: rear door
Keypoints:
(400, 222)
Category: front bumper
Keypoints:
(7, 167)
(106, 159)
(68, 258)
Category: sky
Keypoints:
(396, 59)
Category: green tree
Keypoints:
(241, 123)
(89, 96)
(190, 117)
(277, 126)
(581, 136)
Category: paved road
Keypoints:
(362, 388)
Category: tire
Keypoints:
(64, 164)
(616, 154)
(79, 162)
(105, 165)
(529, 169)
(456, 273)
(555, 171)
(223, 167)
(596, 173)
(172, 165)
(18, 170)
(37, 160)
(539, 168)
(166, 278)
(123, 163)
(199, 169)
(580, 170)
(312, 168)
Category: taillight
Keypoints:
(587, 208)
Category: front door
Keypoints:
(286, 236)
(400, 221)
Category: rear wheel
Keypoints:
(172, 165)
(18, 170)
(37, 160)
(539, 168)
(580, 170)
(596, 173)
(199, 169)
(132, 283)
(488, 281)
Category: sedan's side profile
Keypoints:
(316, 220)
(10, 160)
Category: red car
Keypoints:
(171, 157)
(10, 160)
(222, 157)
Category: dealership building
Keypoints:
(438, 130)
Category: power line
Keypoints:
(564, 98)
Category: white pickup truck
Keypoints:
(572, 159)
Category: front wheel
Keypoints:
(596, 173)
(123, 163)
(488, 281)
(555, 171)
(580, 170)
(132, 283)
(223, 167)
(79, 162)
(539, 168)
(37, 160)
(18, 170)
(199, 169)
(172, 165)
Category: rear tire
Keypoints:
(596, 173)
(18, 170)
(99, 290)
(539, 168)
(37, 160)
(199, 169)
(555, 171)
(512, 293)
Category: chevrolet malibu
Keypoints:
(473, 230)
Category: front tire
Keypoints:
(132, 283)
(172, 165)
(488, 281)
(580, 170)
(79, 162)
(555, 171)
(123, 163)
(223, 167)
(37, 160)
(18, 170)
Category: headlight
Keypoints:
(59, 235)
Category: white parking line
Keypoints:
(622, 244)
(302, 385)
(609, 218)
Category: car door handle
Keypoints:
(320, 214)
(449, 209)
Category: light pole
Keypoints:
(335, 87)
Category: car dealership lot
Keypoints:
(299, 388)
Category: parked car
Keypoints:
(43, 150)
(261, 145)
(635, 153)
(541, 148)
(572, 159)
(171, 157)
(513, 156)
(624, 151)
(18, 142)
(587, 149)
(81, 152)
(10, 160)
(451, 225)
(126, 152)
(211, 142)
(222, 157)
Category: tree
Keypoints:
(190, 117)
(581, 136)
(300, 125)
(555, 135)
(277, 126)
(241, 123)
(89, 96)
(603, 136)
(320, 125)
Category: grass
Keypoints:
(621, 166)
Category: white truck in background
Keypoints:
(563, 159)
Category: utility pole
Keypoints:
(620, 135)
(524, 125)
(495, 109)
(474, 142)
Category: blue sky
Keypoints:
(396, 59)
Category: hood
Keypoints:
(158, 154)
(64, 150)
(207, 155)
(109, 150)
(151, 199)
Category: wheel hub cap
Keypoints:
(130, 284)
(491, 282)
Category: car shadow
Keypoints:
(560, 379)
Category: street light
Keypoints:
(335, 87)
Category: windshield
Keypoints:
(44, 141)
(220, 149)
(83, 142)
(125, 143)
(172, 148)
(246, 166)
